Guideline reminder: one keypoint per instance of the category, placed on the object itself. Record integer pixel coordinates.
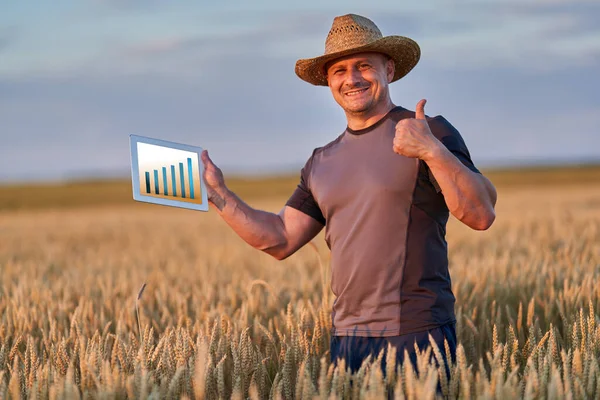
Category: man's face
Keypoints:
(359, 82)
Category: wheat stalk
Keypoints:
(137, 311)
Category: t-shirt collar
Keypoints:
(373, 126)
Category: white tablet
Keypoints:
(167, 173)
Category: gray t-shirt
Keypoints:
(385, 224)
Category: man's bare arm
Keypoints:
(470, 196)
(279, 235)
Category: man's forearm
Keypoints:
(261, 229)
(470, 196)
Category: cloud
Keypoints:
(533, 37)
(470, 35)
(286, 30)
(473, 36)
(521, 35)
(188, 56)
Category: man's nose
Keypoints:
(353, 77)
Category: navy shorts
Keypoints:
(355, 349)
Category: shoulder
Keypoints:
(316, 155)
(441, 127)
(399, 113)
(445, 132)
(329, 146)
(452, 139)
(438, 124)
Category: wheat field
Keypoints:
(218, 319)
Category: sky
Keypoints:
(519, 79)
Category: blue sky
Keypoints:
(518, 79)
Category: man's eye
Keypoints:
(364, 66)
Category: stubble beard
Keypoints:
(360, 110)
(355, 110)
(364, 109)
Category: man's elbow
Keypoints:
(484, 221)
(278, 255)
(279, 252)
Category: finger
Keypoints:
(420, 111)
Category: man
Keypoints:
(384, 190)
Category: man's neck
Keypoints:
(360, 121)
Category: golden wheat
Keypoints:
(217, 319)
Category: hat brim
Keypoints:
(404, 51)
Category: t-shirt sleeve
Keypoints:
(451, 138)
(302, 198)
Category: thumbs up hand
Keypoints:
(413, 137)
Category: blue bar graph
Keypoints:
(173, 181)
(182, 178)
(164, 169)
(154, 178)
(191, 178)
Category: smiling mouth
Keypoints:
(355, 92)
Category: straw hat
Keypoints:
(353, 33)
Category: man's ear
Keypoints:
(391, 69)
(325, 69)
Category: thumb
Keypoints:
(205, 158)
(420, 111)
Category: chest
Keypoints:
(362, 173)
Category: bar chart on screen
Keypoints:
(169, 187)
